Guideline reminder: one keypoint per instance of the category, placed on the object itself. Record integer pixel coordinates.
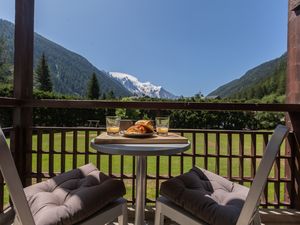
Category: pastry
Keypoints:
(136, 129)
(147, 124)
(141, 127)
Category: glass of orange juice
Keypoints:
(113, 125)
(162, 125)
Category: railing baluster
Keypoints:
(51, 153)
(39, 155)
(147, 180)
(217, 166)
(157, 176)
(75, 134)
(241, 158)
(63, 152)
(277, 180)
(170, 166)
(181, 158)
(229, 159)
(265, 194)
(98, 154)
(122, 167)
(253, 155)
(205, 150)
(290, 169)
(110, 165)
(194, 148)
(86, 146)
(133, 180)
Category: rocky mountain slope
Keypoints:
(140, 89)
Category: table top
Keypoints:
(171, 138)
(140, 149)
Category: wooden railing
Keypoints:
(232, 154)
(88, 104)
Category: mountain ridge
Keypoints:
(141, 89)
(250, 78)
(70, 71)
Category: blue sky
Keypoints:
(185, 46)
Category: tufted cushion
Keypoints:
(206, 195)
(72, 196)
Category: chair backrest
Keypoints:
(13, 182)
(260, 179)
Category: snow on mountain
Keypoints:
(132, 84)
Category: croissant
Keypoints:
(136, 129)
(147, 124)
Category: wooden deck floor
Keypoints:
(268, 217)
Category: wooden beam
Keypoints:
(293, 90)
(89, 104)
(9, 102)
(293, 63)
(23, 84)
(292, 168)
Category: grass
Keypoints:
(163, 161)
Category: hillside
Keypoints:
(70, 72)
(251, 78)
(270, 89)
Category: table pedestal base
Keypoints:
(140, 190)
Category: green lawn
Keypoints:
(163, 163)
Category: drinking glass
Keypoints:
(162, 125)
(113, 125)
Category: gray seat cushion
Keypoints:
(72, 196)
(207, 196)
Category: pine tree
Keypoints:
(93, 89)
(5, 66)
(43, 75)
(3, 53)
(111, 95)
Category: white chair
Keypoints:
(249, 212)
(116, 209)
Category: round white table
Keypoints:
(141, 151)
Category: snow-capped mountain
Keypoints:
(132, 84)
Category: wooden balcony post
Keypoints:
(293, 89)
(23, 84)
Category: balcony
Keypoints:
(43, 152)
(234, 154)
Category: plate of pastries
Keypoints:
(141, 128)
